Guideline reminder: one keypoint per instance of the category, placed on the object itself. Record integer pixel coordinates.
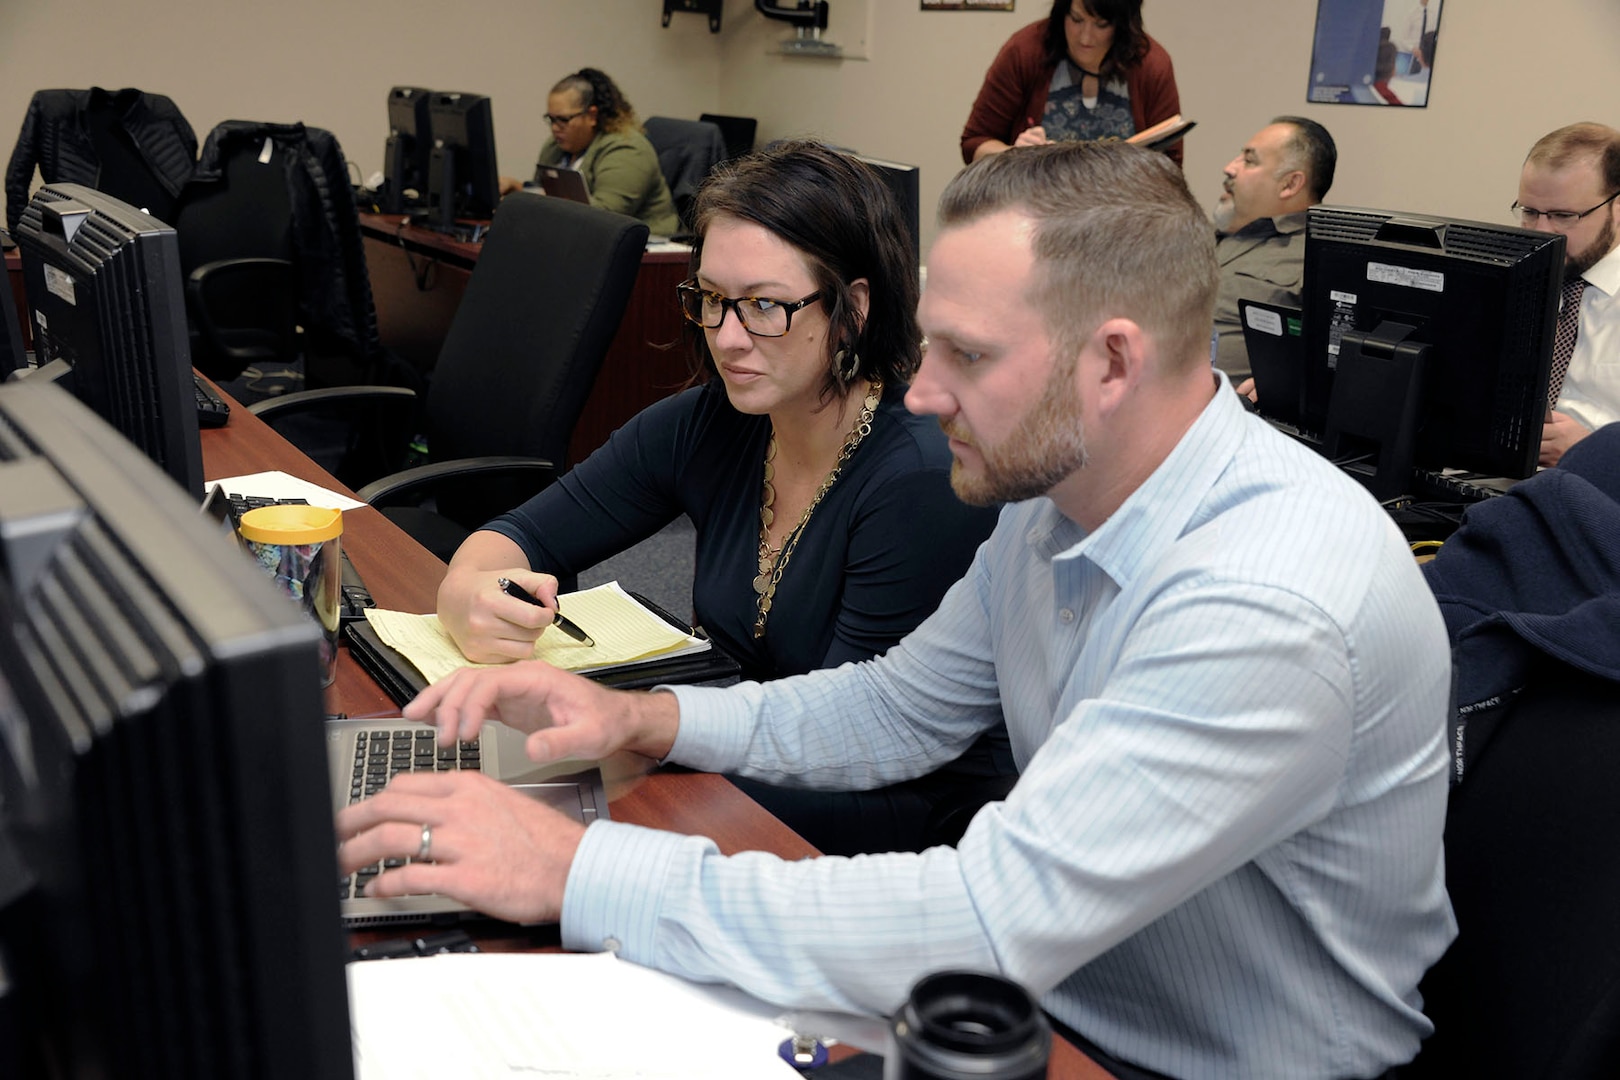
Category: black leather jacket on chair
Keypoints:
(335, 301)
(56, 138)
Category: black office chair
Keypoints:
(1528, 587)
(541, 307)
(687, 150)
(738, 132)
(236, 250)
(270, 242)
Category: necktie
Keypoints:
(1565, 331)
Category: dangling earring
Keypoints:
(846, 375)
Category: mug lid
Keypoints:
(291, 524)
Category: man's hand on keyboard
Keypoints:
(567, 716)
(489, 845)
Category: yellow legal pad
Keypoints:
(625, 633)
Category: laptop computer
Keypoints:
(1275, 341)
(564, 183)
(364, 754)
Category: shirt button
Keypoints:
(1066, 615)
(611, 944)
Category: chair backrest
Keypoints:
(687, 150)
(738, 132)
(335, 308)
(1531, 986)
(541, 307)
(243, 213)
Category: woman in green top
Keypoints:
(594, 130)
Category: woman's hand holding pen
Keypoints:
(489, 625)
(1034, 135)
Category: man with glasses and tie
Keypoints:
(1569, 185)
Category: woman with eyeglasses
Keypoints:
(826, 524)
(594, 130)
(1086, 71)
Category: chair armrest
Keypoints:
(410, 485)
(271, 410)
(246, 309)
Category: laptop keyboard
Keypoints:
(382, 754)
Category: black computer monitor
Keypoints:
(165, 806)
(902, 180)
(409, 150)
(463, 175)
(1428, 341)
(107, 306)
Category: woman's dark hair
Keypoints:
(842, 218)
(1125, 16)
(613, 110)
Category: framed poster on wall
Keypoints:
(967, 5)
(1374, 52)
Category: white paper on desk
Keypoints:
(494, 1016)
(280, 485)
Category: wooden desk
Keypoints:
(417, 279)
(401, 574)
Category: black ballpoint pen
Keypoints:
(561, 622)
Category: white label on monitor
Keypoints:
(1267, 322)
(1427, 280)
(60, 285)
(1342, 297)
(39, 317)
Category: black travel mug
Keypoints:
(966, 1025)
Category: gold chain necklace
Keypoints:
(773, 561)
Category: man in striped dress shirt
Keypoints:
(1224, 677)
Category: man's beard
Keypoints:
(1577, 263)
(1046, 447)
(1225, 210)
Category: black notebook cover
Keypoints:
(399, 677)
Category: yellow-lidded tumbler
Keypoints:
(299, 546)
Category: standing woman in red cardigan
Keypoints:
(1086, 71)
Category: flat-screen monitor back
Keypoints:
(163, 778)
(464, 175)
(106, 299)
(409, 149)
(902, 181)
(1482, 299)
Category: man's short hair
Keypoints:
(1588, 140)
(1116, 234)
(1312, 150)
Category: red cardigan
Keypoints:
(1013, 96)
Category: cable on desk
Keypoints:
(420, 276)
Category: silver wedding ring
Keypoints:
(426, 850)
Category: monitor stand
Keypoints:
(1372, 416)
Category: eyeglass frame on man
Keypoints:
(690, 287)
(564, 121)
(1558, 219)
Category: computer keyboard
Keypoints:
(1428, 485)
(380, 755)
(355, 597)
(211, 408)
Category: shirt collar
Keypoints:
(1158, 511)
(1282, 224)
(1605, 273)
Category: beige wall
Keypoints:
(330, 63)
(1507, 74)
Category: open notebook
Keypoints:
(636, 644)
